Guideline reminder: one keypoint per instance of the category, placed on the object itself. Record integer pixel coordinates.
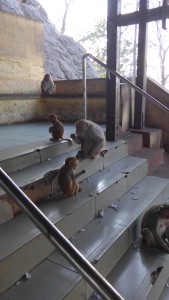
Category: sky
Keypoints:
(82, 14)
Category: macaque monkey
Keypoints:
(47, 85)
(155, 226)
(91, 138)
(67, 179)
(57, 129)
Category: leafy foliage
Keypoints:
(96, 43)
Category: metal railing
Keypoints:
(135, 87)
(94, 278)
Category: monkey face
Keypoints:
(81, 127)
(47, 77)
(72, 162)
(52, 118)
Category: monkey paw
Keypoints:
(103, 152)
(80, 155)
(72, 136)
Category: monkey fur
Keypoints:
(155, 226)
(57, 129)
(91, 138)
(67, 179)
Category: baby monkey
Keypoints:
(57, 129)
(155, 226)
(67, 179)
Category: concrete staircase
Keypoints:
(119, 186)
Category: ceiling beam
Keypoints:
(154, 14)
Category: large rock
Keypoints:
(63, 55)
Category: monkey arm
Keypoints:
(50, 129)
(161, 242)
(79, 173)
(43, 88)
(76, 138)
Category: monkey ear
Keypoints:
(160, 208)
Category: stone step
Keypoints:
(132, 275)
(31, 179)
(165, 292)
(104, 242)
(155, 157)
(22, 244)
(18, 158)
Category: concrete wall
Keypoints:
(68, 103)
(21, 54)
(13, 111)
(72, 109)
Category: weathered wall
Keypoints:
(72, 109)
(21, 54)
(68, 104)
(14, 111)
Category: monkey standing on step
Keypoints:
(155, 226)
(67, 179)
(91, 138)
(57, 129)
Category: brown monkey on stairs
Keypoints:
(155, 226)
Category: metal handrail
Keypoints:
(94, 278)
(135, 87)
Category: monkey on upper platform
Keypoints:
(67, 179)
(91, 138)
(57, 129)
(47, 85)
(155, 226)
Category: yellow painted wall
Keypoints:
(21, 54)
(13, 111)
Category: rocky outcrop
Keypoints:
(63, 55)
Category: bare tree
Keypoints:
(67, 4)
(160, 44)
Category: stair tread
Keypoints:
(57, 209)
(47, 277)
(95, 238)
(93, 241)
(36, 171)
(135, 268)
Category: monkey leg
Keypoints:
(161, 242)
(154, 239)
(148, 237)
(94, 152)
(80, 155)
(72, 188)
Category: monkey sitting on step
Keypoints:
(67, 179)
(155, 226)
(57, 129)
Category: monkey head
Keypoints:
(52, 118)
(163, 211)
(71, 162)
(81, 127)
